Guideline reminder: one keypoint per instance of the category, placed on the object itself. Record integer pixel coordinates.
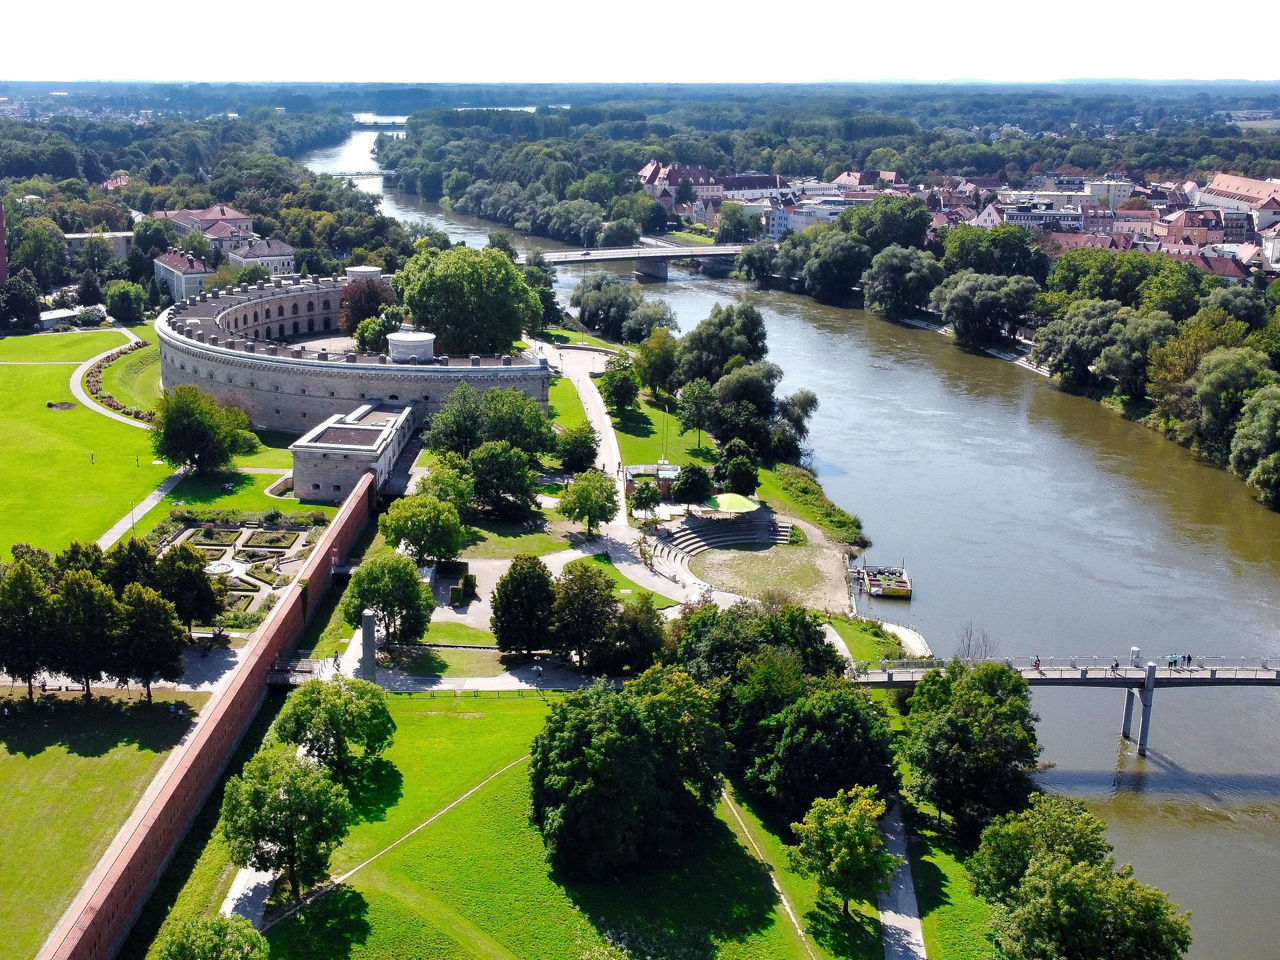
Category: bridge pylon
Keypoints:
(1147, 694)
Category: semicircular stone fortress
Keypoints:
(256, 346)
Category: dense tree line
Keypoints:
(91, 615)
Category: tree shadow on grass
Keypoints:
(374, 787)
(93, 728)
(206, 489)
(856, 936)
(326, 930)
(714, 893)
(634, 422)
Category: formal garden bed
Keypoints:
(281, 539)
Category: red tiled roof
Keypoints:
(220, 211)
(183, 262)
(1244, 189)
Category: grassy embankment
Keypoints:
(475, 884)
(70, 473)
(134, 379)
(70, 775)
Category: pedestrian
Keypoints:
(173, 709)
(1115, 665)
(6, 713)
(90, 458)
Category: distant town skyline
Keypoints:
(576, 41)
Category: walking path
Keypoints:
(122, 526)
(899, 911)
(78, 391)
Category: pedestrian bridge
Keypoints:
(650, 261)
(1138, 680)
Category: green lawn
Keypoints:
(564, 335)
(429, 662)
(248, 492)
(59, 347)
(69, 474)
(273, 453)
(564, 405)
(751, 568)
(650, 432)
(622, 582)
(796, 494)
(200, 873)
(134, 379)
(690, 239)
(474, 884)
(70, 776)
(956, 922)
(441, 631)
(867, 640)
(544, 532)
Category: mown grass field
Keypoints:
(752, 568)
(248, 492)
(544, 531)
(623, 582)
(70, 776)
(866, 640)
(67, 474)
(134, 379)
(564, 404)
(651, 431)
(474, 883)
(59, 347)
(956, 921)
(563, 335)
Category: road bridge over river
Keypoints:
(650, 261)
(1139, 681)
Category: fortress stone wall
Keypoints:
(248, 346)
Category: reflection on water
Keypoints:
(1058, 528)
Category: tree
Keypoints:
(655, 360)
(648, 316)
(585, 610)
(1225, 379)
(215, 938)
(770, 680)
(591, 497)
(191, 428)
(644, 498)
(1257, 435)
(329, 717)
(649, 779)
(835, 265)
(371, 333)
(578, 447)
(834, 738)
(741, 476)
(249, 275)
(20, 300)
(79, 555)
(523, 602)
(620, 233)
(1126, 359)
(151, 639)
(685, 192)
(1006, 249)
(26, 610)
(697, 407)
(503, 479)
(88, 291)
(1050, 826)
(692, 486)
(449, 481)
(757, 262)
(42, 251)
(1080, 911)
(900, 279)
(981, 308)
(893, 220)
(284, 813)
(198, 245)
(181, 579)
(389, 586)
(428, 528)
(840, 845)
(1240, 303)
(636, 638)
(88, 627)
(457, 425)
(728, 332)
(604, 302)
(125, 301)
(974, 749)
(619, 384)
(501, 241)
(1172, 363)
(474, 301)
(736, 225)
(1071, 345)
(518, 419)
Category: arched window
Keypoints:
(326, 323)
(311, 306)
(255, 316)
(295, 309)
(280, 311)
(326, 305)
(281, 333)
(295, 328)
(311, 324)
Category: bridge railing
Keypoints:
(1056, 665)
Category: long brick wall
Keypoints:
(96, 923)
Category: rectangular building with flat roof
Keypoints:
(330, 459)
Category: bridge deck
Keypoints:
(615, 254)
(907, 675)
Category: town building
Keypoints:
(753, 186)
(121, 242)
(181, 274)
(1197, 226)
(275, 255)
(1259, 198)
(802, 187)
(1037, 216)
(992, 215)
(655, 177)
(1137, 222)
(202, 221)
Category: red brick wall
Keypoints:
(109, 902)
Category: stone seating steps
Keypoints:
(693, 538)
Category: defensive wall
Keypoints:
(248, 346)
(108, 904)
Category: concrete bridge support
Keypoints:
(1126, 728)
(652, 269)
(1147, 694)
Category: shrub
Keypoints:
(455, 595)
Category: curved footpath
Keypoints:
(77, 384)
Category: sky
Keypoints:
(506, 41)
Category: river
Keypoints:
(1059, 529)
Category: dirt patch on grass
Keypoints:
(62, 405)
(813, 573)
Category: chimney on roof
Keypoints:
(191, 261)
